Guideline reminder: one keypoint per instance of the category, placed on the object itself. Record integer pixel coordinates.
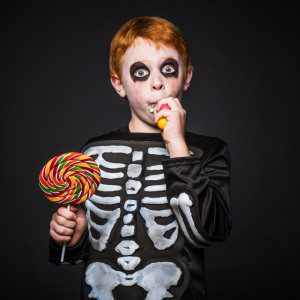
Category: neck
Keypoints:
(137, 125)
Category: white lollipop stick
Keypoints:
(62, 258)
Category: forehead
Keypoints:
(145, 51)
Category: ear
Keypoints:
(117, 84)
(188, 79)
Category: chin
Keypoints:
(151, 123)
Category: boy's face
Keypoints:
(149, 75)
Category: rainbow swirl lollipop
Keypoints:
(69, 178)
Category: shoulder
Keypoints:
(204, 141)
(95, 140)
(208, 147)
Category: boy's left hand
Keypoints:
(173, 133)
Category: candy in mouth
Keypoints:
(150, 109)
(151, 106)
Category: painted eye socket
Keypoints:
(168, 69)
(141, 73)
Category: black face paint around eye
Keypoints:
(134, 67)
(173, 62)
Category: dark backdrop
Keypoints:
(57, 94)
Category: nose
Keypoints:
(157, 83)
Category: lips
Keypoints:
(151, 106)
(152, 103)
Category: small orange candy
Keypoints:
(162, 123)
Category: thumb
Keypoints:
(80, 211)
(74, 208)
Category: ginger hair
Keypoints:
(155, 29)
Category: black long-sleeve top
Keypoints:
(151, 217)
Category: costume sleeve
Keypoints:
(198, 190)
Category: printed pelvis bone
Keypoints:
(155, 278)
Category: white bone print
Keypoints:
(134, 170)
(104, 230)
(184, 203)
(112, 216)
(156, 231)
(156, 278)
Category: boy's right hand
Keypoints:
(68, 226)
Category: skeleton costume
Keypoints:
(151, 217)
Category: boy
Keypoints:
(164, 195)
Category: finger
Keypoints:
(180, 109)
(168, 101)
(80, 213)
(64, 222)
(168, 114)
(59, 238)
(164, 113)
(178, 102)
(173, 105)
(61, 230)
(162, 102)
(64, 212)
(74, 208)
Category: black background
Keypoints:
(57, 94)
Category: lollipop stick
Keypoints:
(62, 258)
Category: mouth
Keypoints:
(152, 103)
(151, 106)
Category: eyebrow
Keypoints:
(166, 58)
(171, 60)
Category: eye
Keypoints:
(168, 69)
(141, 73)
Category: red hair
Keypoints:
(155, 29)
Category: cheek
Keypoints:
(175, 84)
(137, 95)
(139, 90)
